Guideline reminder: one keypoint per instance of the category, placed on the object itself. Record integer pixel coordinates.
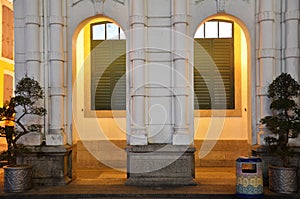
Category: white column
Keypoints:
(32, 39)
(138, 133)
(292, 50)
(292, 53)
(45, 63)
(28, 54)
(266, 57)
(67, 83)
(56, 134)
(183, 135)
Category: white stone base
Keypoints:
(160, 165)
(31, 139)
(134, 140)
(182, 139)
(55, 139)
(52, 165)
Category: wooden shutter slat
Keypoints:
(108, 66)
(211, 57)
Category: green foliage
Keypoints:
(27, 94)
(11, 154)
(284, 87)
(285, 121)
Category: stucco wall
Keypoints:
(270, 27)
(213, 128)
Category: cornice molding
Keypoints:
(137, 19)
(56, 56)
(180, 54)
(32, 56)
(292, 15)
(57, 91)
(53, 19)
(180, 18)
(266, 16)
(137, 55)
(292, 53)
(266, 53)
(32, 19)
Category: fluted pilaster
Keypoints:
(183, 132)
(32, 38)
(57, 91)
(137, 119)
(266, 57)
(291, 52)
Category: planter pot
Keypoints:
(17, 178)
(283, 180)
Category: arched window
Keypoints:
(108, 67)
(214, 65)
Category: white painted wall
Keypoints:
(230, 128)
(91, 128)
(268, 55)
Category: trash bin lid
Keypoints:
(248, 159)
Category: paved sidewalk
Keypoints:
(213, 182)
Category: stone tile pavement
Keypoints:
(213, 182)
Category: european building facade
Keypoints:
(6, 54)
(6, 58)
(175, 76)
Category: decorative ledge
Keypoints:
(266, 16)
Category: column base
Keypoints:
(55, 139)
(160, 165)
(182, 139)
(31, 139)
(141, 140)
(51, 165)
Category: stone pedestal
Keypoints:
(160, 165)
(51, 165)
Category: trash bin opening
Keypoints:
(249, 168)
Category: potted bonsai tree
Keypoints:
(284, 124)
(28, 92)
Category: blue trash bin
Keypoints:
(249, 179)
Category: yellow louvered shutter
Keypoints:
(108, 68)
(214, 73)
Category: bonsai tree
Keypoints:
(285, 121)
(27, 94)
